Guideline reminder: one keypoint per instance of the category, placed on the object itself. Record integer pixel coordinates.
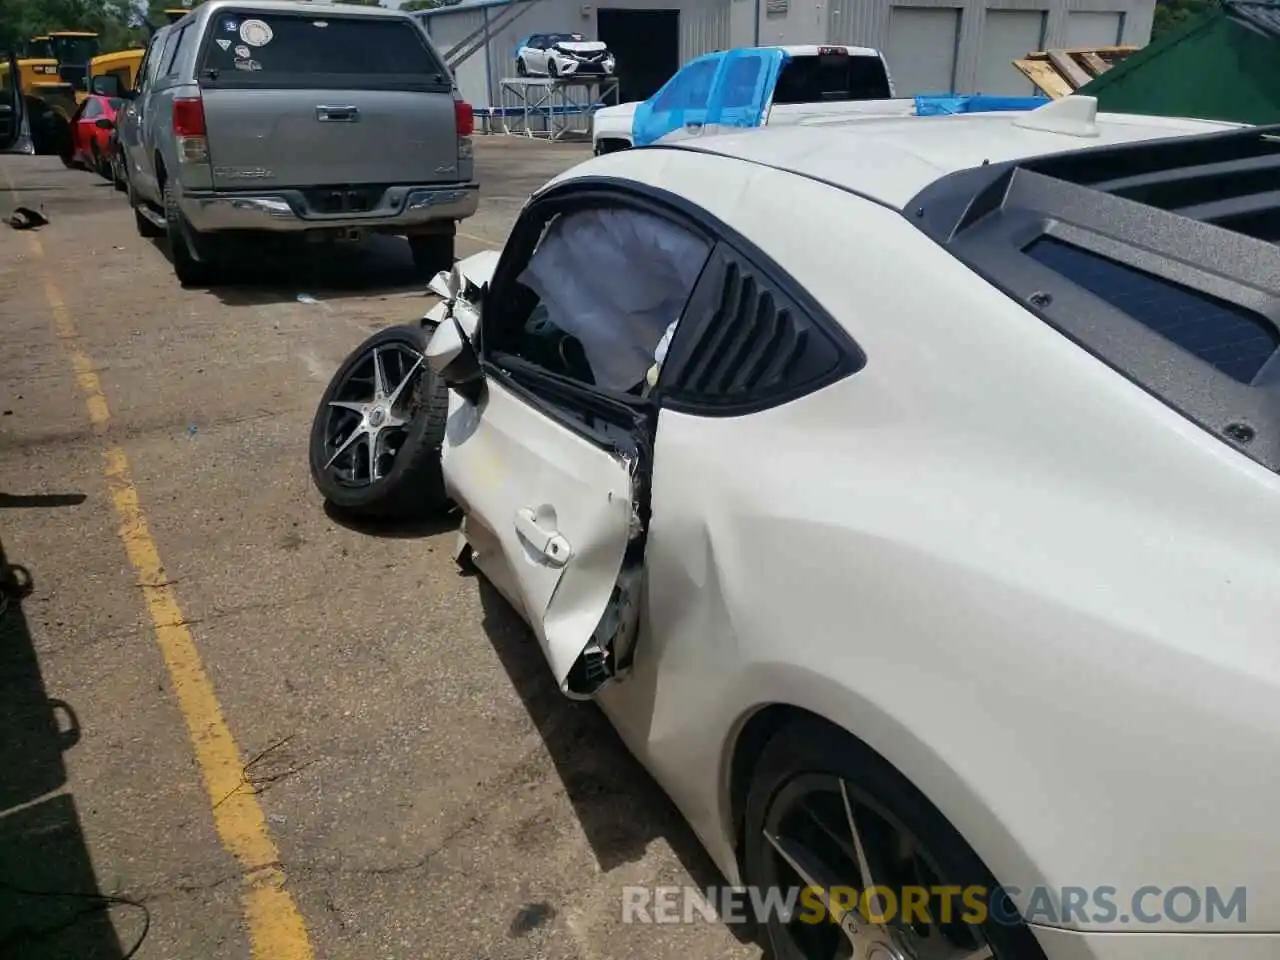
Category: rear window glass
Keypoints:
(262, 45)
(1233, 340)
(833, 77)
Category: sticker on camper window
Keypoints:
(248, 65)
(320, 23)
(224, 43)
(231, 26)
(242, 51)
(255, 33)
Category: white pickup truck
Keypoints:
(750, 87)
(754, 86)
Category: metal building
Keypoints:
(933, 46)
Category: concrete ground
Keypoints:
(231, 726)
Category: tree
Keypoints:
(115, 21)
(1172, 14)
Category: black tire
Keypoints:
(117, 172)
(189, 270)
(552, 69)
(413, 487)
(808, 747)
(432, 252)
(521, 69)
(100, 166)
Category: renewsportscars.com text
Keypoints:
(1065, 906)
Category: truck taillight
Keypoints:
(189, 129)
(188, 117)
(465, 118)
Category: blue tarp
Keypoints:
(728, 88)
(945, 104)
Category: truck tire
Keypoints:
(189, 270)
(432, 252)
(413, 482)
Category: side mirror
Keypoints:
(105, 124)
(452, 357)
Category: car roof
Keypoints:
(891, 159)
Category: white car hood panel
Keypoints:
(582, 46)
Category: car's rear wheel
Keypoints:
(432, 252)
(824, 811)
(376, 436)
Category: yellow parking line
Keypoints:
(276, 930)
(487, 244)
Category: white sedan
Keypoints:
(906, 492)
(564, 55)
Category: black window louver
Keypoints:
(753, 344)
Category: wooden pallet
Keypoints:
(1060, 73)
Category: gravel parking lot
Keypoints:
(427, 790)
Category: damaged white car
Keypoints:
(906, 492)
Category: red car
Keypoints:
(91, 126)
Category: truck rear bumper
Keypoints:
(286, 211)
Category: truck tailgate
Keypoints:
(336, 96)
(288, 138)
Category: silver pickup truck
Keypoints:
(295, 117)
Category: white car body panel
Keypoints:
(613, 123)
(1090, 577)
(533, 489)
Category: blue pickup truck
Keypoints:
(754, 86)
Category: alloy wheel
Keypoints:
(821, 832)
(368, 419)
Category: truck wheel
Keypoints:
(376, 437)
(432, 252)
(189, 270)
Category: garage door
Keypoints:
(922, 49)
(1093, 29)
(1008, 35)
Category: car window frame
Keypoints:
(524, 241)
(178, 34)
(140, 84)
(553, 392)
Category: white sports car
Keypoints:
(906, 492)
(564, 55)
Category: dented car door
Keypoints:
(551, 464)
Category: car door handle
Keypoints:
(337, 114)
(550, 544)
